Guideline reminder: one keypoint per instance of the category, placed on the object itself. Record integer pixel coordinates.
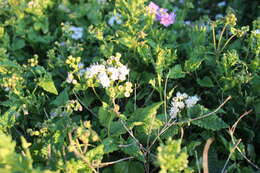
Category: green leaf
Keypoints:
(129, 167)
(212, 122)
(192, 64)
(109, 145)
(117, 128)
(133, 149)
(148, 116)
(48, 85)
(8, 119)
(176, 72)
(62, 98)
(205, 82)
(95, 153)
(18, 44)
(105, 115)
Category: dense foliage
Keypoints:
(129, 86)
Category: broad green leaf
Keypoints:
(117, 128)
(48, 85)
(205, 82)
(62, 98)
(18, 44)
(212, 122)
(133, 149)
(147, 115)
(176, 72)
(105, 115)
(129, 167)
(109, 145)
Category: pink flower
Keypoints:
(167, 19)
(152, 8)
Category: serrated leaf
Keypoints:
(129, 167)
(62, 98)
(48, 85)
(212, 122)
(176, 72)
(205, 82)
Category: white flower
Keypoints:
(123, 72)
(191, 101)
(221, 4)
(77, 32)
(180, 105)
(94, 70)
(181, 96)
(173, 111)
(69, 78)
(103, 79)
(114, 73)
(115, 19)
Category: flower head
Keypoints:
(115, 19)
(70, 78)
(77, 32)
(191, 101)
(104, 80)
(152, 8)
(167, 19)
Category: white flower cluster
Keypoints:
(112, 70)
(115, 19)
(77, 32)
(180, 101)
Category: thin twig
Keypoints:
(101, 165)
(232, 131)
(205, 155)
(233, 128)
(230, 154)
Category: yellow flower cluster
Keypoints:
(73, 105)
(33, 61)
(73, 62)
(125, 90)
(115, 60)
(11, 83)
(231, 19)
